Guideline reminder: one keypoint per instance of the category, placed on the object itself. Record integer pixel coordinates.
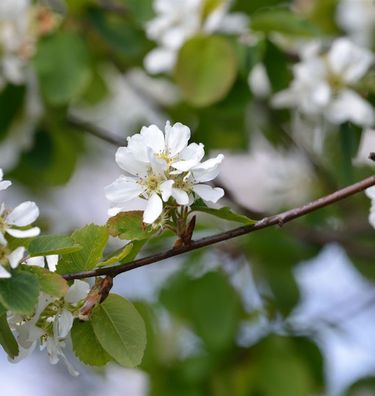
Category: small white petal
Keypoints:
(153, 209)
(208, 170)
(23, 215)
(133, 204)
(154, 138)
(4, 273)
(3, 241)
(16, 256)
(190, 157)
(181, 197)
(123, 189)
(64, 323)
(176, 137)
(370, 192)
(349, 106)
(52, 262)
(160, 60)
(207, 193)
(77, 292)
(129, 163)
(166, 189)
(31, 232)
(5, 184)
(36, 261)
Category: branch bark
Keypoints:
(279, 219)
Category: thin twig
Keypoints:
(279, 219)
(95, 131)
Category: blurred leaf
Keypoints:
(7, 340)
(250, 7)
(51, 160)
(362, 387)
(224, 213)
(50, 283)
(206, 69)
(323, 14)
(283, 21)
(12, 98)
(46, 245)
(142, 10)
(19, 293)
(276, 64)
(96, 90)
(63, 67)
(209, 304)
(120, 330)
(93, 239)
(129, 225)
(86, 346)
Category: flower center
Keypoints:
(4, 253)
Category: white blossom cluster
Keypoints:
(15, 223)
(324, 85)
(50, 325)
(177, 21)
(162, 169)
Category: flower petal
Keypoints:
(181, 196)
(64, 323)
(154, 138)
(16, 256)
(123, 189)
(190, 156)
(153, 209)
(207, 193)
(349, 106)
(36, 261)
(5, 184)
(207, 170)
(176, 137)
(52, 261)
(4, 273)
(29, 233)
(77, 292)
(23, 215)
(166, 189)
(133, 204)
(3, 241)
(129, 163)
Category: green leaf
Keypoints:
(120, 330)
(209, 304)
(19, 293)
(117, 256)
(7, 340)
(86, 346)
(52, 244)
(224, 213)
(63, 67)
(50, 283)
(283, 21)
(93, 239)
(12, 98)
(206, 69)
(129, 225)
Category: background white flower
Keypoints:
(323, 85)
(370, 192)
(177, 21)
(4, 184)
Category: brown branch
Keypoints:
(279, 219)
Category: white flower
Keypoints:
(21, 216)
(357, 18)
(8, 258)
(177, 21)
(159, 166)
(370, 192)
(16, 41)
(275, 178)
(50, 325)
(322, 85)
(4, 184)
